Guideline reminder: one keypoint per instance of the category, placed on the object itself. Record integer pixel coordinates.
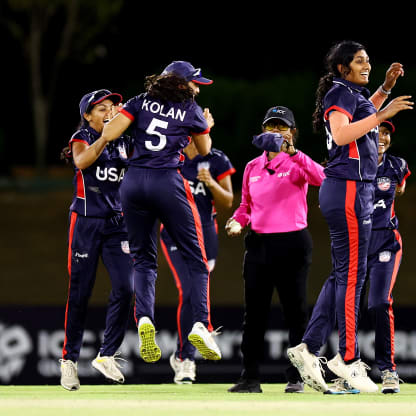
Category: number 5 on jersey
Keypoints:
(151, 130)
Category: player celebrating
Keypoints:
(210, 180)
(162, 119)
(96, 229)
(385, 254)
(351, 119)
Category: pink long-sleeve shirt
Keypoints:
(276, 203)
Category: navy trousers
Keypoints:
(385, 254)
(149, 195)
(183, 281)
(347, 207)
(90, 238)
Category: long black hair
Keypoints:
(169, 87)
(340, 53)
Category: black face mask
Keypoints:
(271, 142)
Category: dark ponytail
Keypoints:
(340, 53)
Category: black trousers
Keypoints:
(278, 261)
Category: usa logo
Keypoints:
(383, 183)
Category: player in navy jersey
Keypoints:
(97, 230)
(162, 120)
(351, 117)
(385, 254)
(210, 180)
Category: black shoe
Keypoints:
(246, 386)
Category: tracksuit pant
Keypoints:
(385, 254)
(274, 261)
(183, 281)
(147, 196)
(347, 207)
(90, 238)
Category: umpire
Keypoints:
(278, 245)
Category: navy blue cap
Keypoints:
(281, 113)
(389, 124)
(95, 97)
(187, 71)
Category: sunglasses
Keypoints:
(279, 125)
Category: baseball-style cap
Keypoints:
(187, 71)
(281, 113)
(95, 97)
(388, 124)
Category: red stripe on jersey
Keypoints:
(202, 132)
(226, 173)
(198, 227)
(179, 287)
(353, 150)
(80, 185)
(126, 113)
(405, 177)
(392, 213)
(73, 220)
(352, 224)
(397, 260)
(336, 108)
(79, 141)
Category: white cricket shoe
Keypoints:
(108, 366)
(355, 374)
(185, 371)
(203, 341)
(69, 375)
(149, 350)
(390, 382)
(309, 366)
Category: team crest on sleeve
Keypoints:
(384, 256)
(383, 183)
(125, 247)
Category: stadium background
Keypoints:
(255, 64)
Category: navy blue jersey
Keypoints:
(357, 160)
(161, 130)
(391, 172)
(96, 188)
(219, 166)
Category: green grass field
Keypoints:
(196, 400)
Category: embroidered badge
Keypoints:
(125, 247)
(383, 183)
(384, 256)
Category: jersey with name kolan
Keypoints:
(162, 129)
(391, 172)
(357, 160)
(96, 188)
(219, 167)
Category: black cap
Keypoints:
(281, 113)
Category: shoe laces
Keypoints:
(69, 368)
(114, 360)
(216, 332)
(388, 376)
(322, 360)
(361, 367)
